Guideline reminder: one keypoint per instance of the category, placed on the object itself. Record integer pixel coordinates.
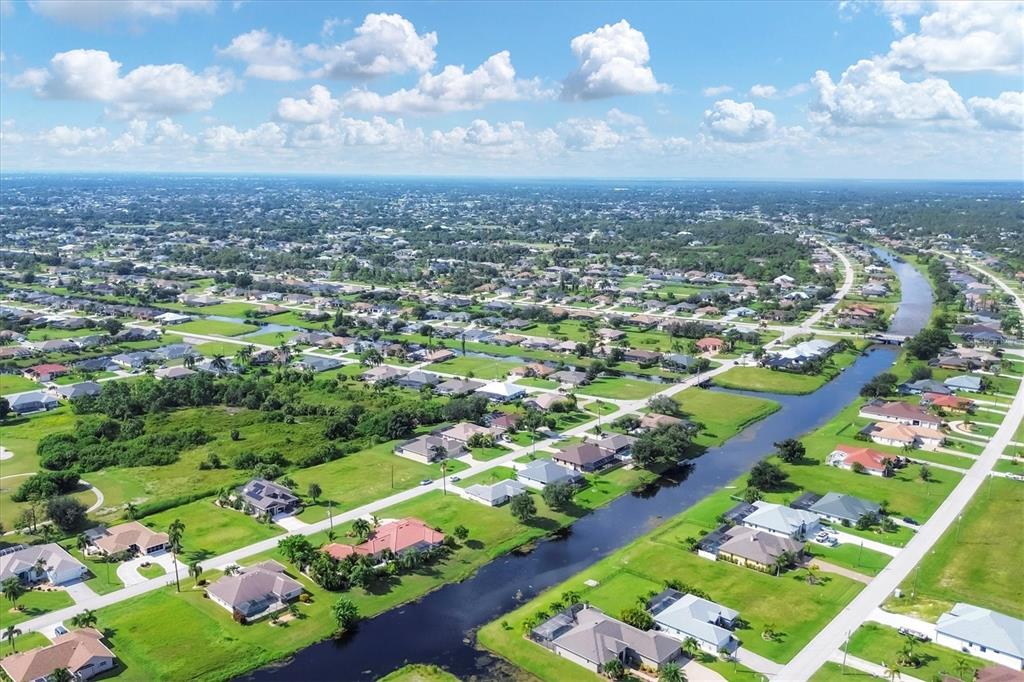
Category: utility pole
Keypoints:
(846, 646)
(860, 551)
(330, 515)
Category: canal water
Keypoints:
(440, 628)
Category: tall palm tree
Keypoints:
(892, 672)
(85, 619)
(195, 570)
(174, 534)
(218, 363)
(9, 634)
(189, 361)
(441, 453)
(691, 647)
(82, 541)
(12, 590)
(361, 527)
(131, 511)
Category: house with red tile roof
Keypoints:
(900, 413)
(849, 456)
(404, 535)
(947, 402)
(710, 344)
(45, 372)
(82, 653)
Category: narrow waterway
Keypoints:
(440, 627)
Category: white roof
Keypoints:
(502, 388)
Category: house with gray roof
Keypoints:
(33, 401)
(424, 449)
(842, 508)
(781, 520)
(542, 472)
(686, 615)
(267, 497)
(592, 639)
(58, 567)
(965, 382)
(255, 591)
(496, 494)
(79, 390)
(756, 549)
(983, 633)
(457, 387)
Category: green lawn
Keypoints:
(600, 407)
(534, 382)
(976, 565)
(471, 366)
(487, 454)
(862, 560)
(833, 672)
(152, 571)
(211, 530)
(21, 435)
(104, 575)
(359, 478)
(722, 414)
(29, 640)
(49, 333)
(770, 381)
(621, 388)
(270, 338)
(487, 477)
(214, 328)
(876, 643)
(15, 383)
(34, 603)
(227, 309)
(225, 348)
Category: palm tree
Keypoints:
(892, 672)
(174, 533)
(812, 575)
(345, 614)
(86, 619)
(131, 512)
(614, 669)
(961, 666)
(195, 570)
(361, 527)
(82, 541)
(671, 672)
(218, 363)
(9, 634)
(691, 647)
(314, 491)
(61, 675)
(190, 361)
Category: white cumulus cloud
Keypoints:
(266, 56)
(734, 121)
(92, 75)
(317, 108)
(384, 44)
(1005, 112)
(763, 91)
(613, 60)
(870, 94)
(452, 89)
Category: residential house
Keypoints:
(131, 537)
(965, 382)
(782, 521)
(439, 355)
(424, 449)
(542, 472)
(544, 401)
(924, 386)
(315, 363)
(869, 461)
(464, 431)
(501, 391)
(618, 445)
(382, 374)
(79, 390)
(900, 413)
(983, 633)
(255, 591)
(80, 652)
(710, 345)
(569, 378)
(589, 638)
(679, 362)
(56, 566)
(495, 494)
(843, 509)
(757, 549)
(418, 379)
(45, 372)
(653, 420)
(173, 372)
(947, 402)
(903, 436)
(269, 498)
(457, 387)
(33, 401)
(686, 616)
(584, 457)
(398, 537)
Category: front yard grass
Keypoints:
(21, 435)
(15, 383)
(875, 642)
(770, 381)
(978, 564)
(621, 388)
(211, 530)
(35, 603)
(418, 672)
(471, 366)
(722, 414)
(214, 328)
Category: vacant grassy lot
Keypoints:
(770, 381)
(979, 564)
(419, 673)
(34, 603)
(212, 348)
(271, 338)
(621, 388)
(15, 383)
(469, 366)
(875, 642)
(722, 414)
(211, 530)
(22, 435)
(214, 328)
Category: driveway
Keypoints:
(128, 571)
(79, 591)
(898, 620)
(290, 522)
(848, 539)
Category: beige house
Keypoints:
(130, 537)
(82, 653)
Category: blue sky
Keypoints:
(907, 89)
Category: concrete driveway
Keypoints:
(79, 591)
(289, 522)
(128, 571)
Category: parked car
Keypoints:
(60, 630)
(910, 521)
(426, 481)
(454, 479)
